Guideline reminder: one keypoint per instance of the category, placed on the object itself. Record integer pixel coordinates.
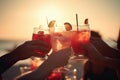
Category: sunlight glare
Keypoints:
(52, 13)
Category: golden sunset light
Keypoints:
(18, 17)
(59, 39)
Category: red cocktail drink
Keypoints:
(78, 38)
(60, 39)
(45, 37)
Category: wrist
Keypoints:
(14, 54)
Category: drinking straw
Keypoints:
(47, 20)
(77, 21)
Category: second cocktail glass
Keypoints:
(79, 36)
(60, 40)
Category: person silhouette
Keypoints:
(104, 61)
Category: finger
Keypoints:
(88, 47)
(67, 52)
(36, 42)
(39, 48)
(39, 51)
(38, 55)
(63, 52)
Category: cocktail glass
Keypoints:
(43, 34)
(60, 40)
(79, 35)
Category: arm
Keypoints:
(7, 61)
(112, 63)
(22, 52)
(104, 49)
(97, 58)
(55, 60)
(39, 74)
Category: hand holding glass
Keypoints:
(43, 35)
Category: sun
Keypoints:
(52, 13)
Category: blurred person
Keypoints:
(104, 61)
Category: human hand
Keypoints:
(56, 59)
(26, 50)
(92, 53)
(104, 48)
(60, 58)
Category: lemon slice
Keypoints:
(51, 23)
(86, 21)
(68, 26)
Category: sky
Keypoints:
(18, 17)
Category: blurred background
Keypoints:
(18, 17)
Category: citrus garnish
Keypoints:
(51, 23)
(41, 32)
(86, 21)
(68, 26)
